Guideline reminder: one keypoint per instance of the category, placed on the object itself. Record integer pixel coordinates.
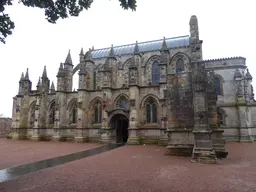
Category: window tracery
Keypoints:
(155, 73)
(122, 102)
(180, 66)
(32, 115)
(97, 112)
(219, 85)
(151, 110)
(73, 113)
(52, 113)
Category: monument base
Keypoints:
(133, 141)
(181, 142)
(203, 155)
(81, 139)
(179, 150)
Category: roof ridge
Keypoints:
(224, 58)
(142, 42)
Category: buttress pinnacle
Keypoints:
(164, 45)
(22, 76)
(44, 73)
(68, 59)
(27, 76)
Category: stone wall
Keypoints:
(5, 127)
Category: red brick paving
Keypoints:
(145, 169)
(15, 152)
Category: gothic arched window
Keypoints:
(151, 110)
(98, 112)
(122, 102)
(180, 65)
(218, 86)
(73, 113)
(52, 113)
(155, 73)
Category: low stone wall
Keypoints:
(5, 127)
(239, 134)
(146, 136)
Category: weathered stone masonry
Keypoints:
(131, 82)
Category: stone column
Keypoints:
(218, 142)
(61, 121)
(106, 127)
(179, 102)
(203, 151)
(36, 131)
(16, 117)
(21, 132)
(82, 131)
(134, 116)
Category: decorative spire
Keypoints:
(111, 52)
(136, 49)
(44, 76)
(61, 67)
(38, 83)
(27, 76)
(164, 45)
(68, 59)
(22, 76)
(52, 87)
(81, 52)
(248, 75)
(92, 48)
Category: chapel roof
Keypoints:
(147, 46)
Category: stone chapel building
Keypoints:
(121, 95)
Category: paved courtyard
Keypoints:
(128, 168)
(15, 152)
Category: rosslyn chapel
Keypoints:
(155, 92)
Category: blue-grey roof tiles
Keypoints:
(148, 46)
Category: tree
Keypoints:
(54, 9)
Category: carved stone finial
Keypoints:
(164, 45)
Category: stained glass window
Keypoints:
(52, 113)
(151, 110)
(154, 113)
(74, 113)
(122, 102)
(180, 65)
(97, 112)
(155, 73)
(148, 113)
(218, 86)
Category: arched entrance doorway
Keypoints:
(120, 124)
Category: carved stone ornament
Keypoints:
(79, 104)
(132, 102)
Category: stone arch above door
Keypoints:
(114, 112)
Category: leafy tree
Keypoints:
(54, 9)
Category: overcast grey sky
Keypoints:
(226, 27)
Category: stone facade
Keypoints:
(5, 127)
(122, 96)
